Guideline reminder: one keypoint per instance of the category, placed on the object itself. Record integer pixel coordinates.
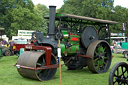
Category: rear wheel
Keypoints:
(100, 56)
(119, 74)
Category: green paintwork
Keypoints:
(99, 62)
(57, 14)
(67, 40)
(65, 36)
(62, 46)
(110, 41)
(69, 51)
(101, 49)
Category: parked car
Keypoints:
(18, 44)
(122, 50)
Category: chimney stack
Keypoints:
(52, 14)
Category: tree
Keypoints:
(120, 15)
(23, 19)
(102, 9)
(88, 8)
(42, 10)
(18, 14)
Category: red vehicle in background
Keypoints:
(18, 44)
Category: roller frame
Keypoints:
(47, 50)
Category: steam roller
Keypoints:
(80, 43)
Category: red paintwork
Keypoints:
(43, 67)
(18, 46)
(74, 39)
(47, 49)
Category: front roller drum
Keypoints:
(100, 56)
(34, 60)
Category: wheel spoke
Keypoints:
(123, 73)
(122, 69)
(103, 64)
(38, 64)
(114, 82)
(104, 49)
(95, 59)
(98, 67)
(105, 57)
(39, 73)
(117, 71)
(96, 53)
(45, 73)
(48, 72)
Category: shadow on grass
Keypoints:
(85, 70)
(34, 80)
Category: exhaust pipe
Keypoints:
(52, 14)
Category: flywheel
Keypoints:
(89, 35)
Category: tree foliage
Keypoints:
(18, 15)
(88, 8)
(42, 10)
(102, 9)
(23, 15)
(120, 14)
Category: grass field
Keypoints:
(10, 76)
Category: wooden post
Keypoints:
(59, 55)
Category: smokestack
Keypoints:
(52, 15)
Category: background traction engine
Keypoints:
(78, 49)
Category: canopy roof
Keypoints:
(67, 16)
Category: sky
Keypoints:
(123, 3)
(59, 3)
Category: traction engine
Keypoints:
(80, 43)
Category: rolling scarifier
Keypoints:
(80, 44)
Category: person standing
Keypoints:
(121, 43)
(5, 43)
(113, 42)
